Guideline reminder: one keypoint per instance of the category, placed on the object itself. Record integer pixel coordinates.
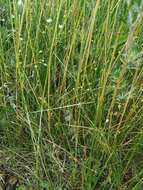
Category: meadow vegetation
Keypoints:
(71, 93)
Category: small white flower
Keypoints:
(5, 85)
(40, 51)
(49, 20)
(20, 3)
(3, 20)
(61, 26)
(20, 7)
(45, 64)
(107, 121)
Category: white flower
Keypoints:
(40, 51)
(45, 64)
(107, 121)
(20, 3)
(20, 6)
(35, 66)
(61, 26)
(5, 85)
(49, 20)
(3, 20)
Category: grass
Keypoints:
(71, 79)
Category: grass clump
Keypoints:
(71, 93)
